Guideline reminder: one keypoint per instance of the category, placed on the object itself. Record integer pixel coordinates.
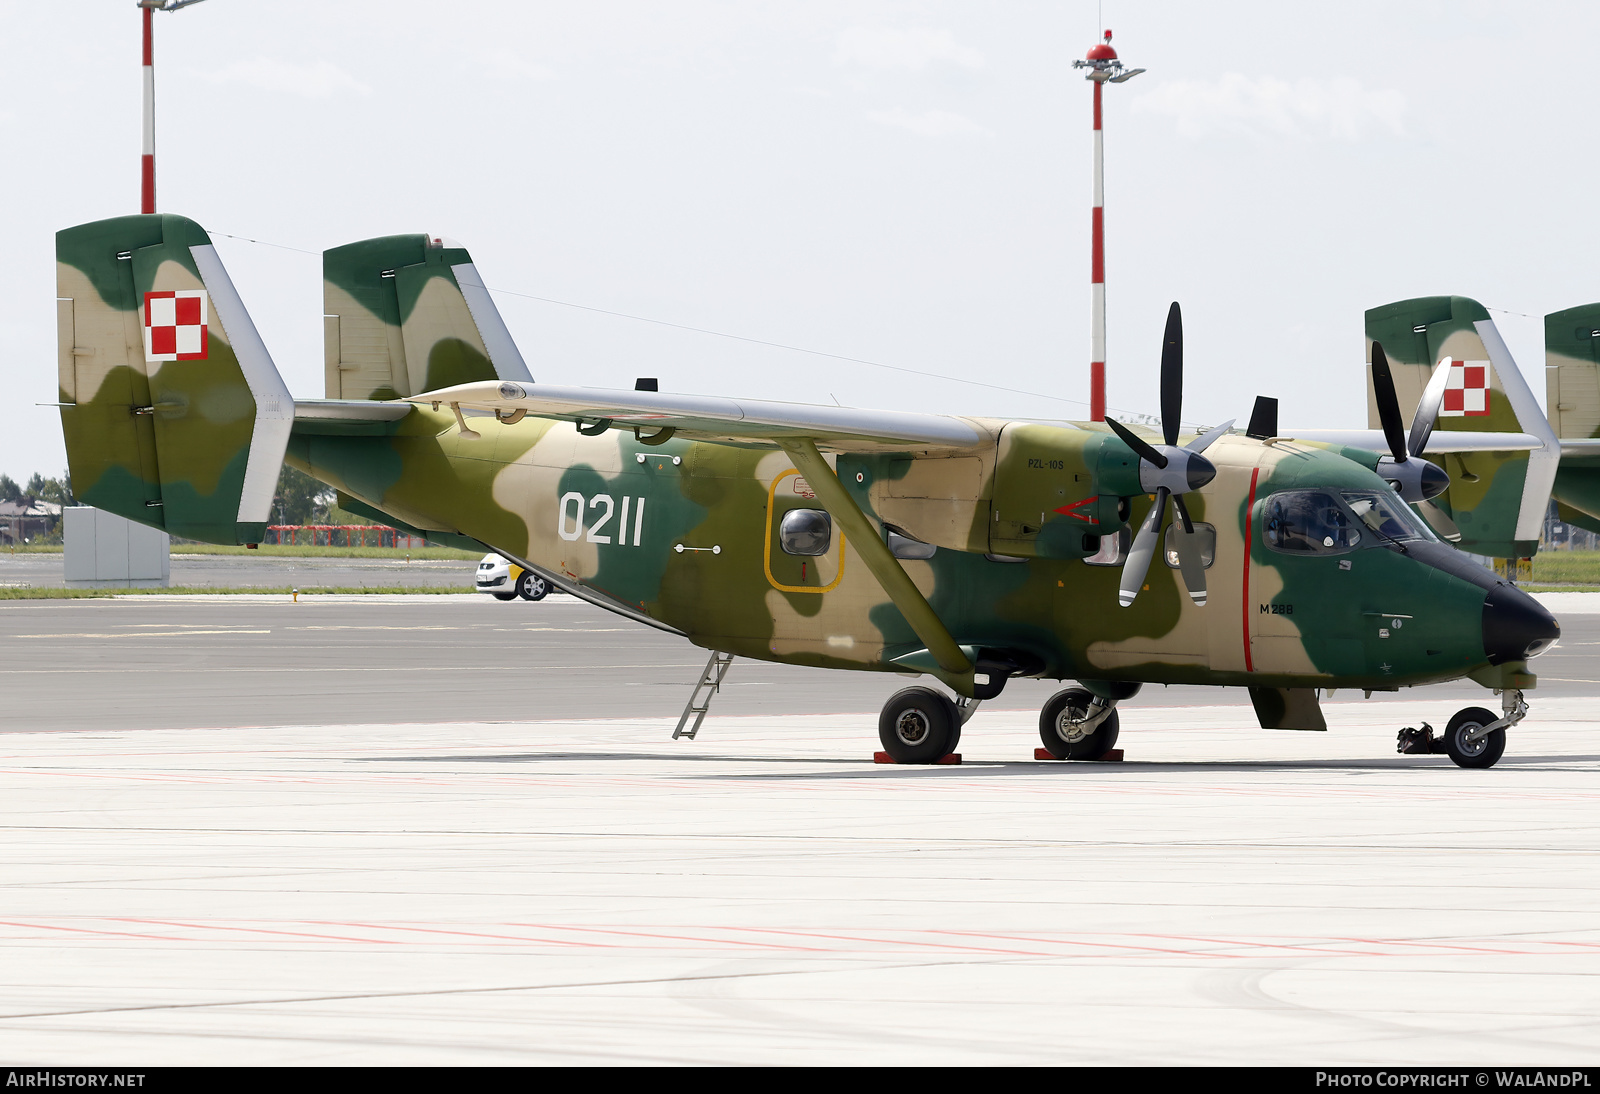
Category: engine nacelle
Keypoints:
(1057, 490)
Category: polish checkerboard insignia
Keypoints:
(1466, 392)
(175, 325)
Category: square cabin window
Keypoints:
(1205, 533)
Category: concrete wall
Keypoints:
(105, 550)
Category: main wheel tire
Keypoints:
(530, 586)
(1485, 751)
(504, 596)
(919, 726)
(1060, 725)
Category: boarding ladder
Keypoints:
(700, 698)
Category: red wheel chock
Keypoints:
(885, 758)
(1112, 756)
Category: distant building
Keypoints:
(21, 521)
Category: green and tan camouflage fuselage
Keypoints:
(685, 534)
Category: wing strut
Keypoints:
(869, 544)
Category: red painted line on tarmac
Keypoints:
(896, 942)
(1249, 511)
(1101, 945)
(671, 937)
(86, 930)
(467, 934)
(251, 930)
(1460, 947)
(1304, 947)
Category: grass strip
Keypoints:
(234, 590)
(273, 550)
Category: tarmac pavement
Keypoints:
(446, 830)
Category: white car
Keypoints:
(505, 580)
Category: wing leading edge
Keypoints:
(706, 417)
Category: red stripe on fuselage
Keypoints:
(1248, 512)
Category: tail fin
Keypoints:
(1572, 394)
(407, 314)
(1572, 371)
(173, 412)
(1497, 499)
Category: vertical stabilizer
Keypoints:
(406, 314)
(173, 411)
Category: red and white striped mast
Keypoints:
(1103, 68)
(147, 159)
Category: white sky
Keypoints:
(907, 183)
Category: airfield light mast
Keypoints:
(147, 161)
(1103, 68)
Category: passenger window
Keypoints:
(1205, 533)
(1308, 522)
(805, 532)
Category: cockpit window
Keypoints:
(1309, 522)
(1385, 514)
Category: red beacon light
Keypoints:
(1103, 51)
(1103, 65)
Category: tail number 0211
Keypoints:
(601, 508)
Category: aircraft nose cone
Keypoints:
(1515, 626)
(1199, 471)
(1433, 480)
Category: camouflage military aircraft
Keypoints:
(965, 549)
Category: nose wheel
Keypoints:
(1473, 737)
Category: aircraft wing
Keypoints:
(709, 417)
(1439, 442)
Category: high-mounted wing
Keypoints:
(1438, 443)
(708, 417)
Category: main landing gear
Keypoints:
(1474, 737)
(1077, 724)
(922, 726)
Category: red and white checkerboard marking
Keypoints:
(175, 325)
(1466, 392)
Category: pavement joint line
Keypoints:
(843, 959)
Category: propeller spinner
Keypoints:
(1166, 470)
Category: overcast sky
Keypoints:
(903, 183)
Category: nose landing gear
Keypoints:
(1474, 737)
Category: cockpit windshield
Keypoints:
(1309, 522)
(1386, 515)
(1321, 522)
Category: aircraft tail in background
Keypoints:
(1497, 497)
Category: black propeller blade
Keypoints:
(1172, 375)
(1168, 471)
(1415, 478)
(1394, 430)
(1140, 446)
